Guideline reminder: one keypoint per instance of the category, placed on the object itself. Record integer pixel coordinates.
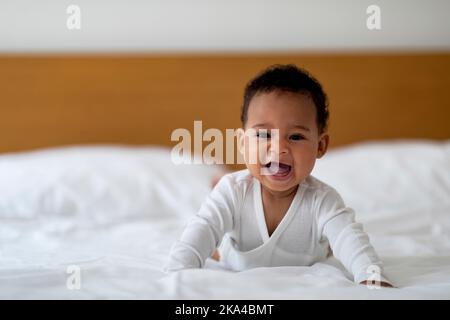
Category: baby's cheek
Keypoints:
(254, 170)
(255, 151)
(305, 161)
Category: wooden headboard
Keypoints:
(139, 99)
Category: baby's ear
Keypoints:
(241, 141)
(323, 145)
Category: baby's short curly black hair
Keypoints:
(288, 78)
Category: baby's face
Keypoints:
(299, 141)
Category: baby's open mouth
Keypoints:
(278, 169)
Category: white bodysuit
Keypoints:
(232, 216)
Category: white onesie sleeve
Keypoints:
(348, 241)
(205, 231)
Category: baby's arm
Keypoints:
(348, 241)
(205, 231)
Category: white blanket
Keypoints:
(112, 213)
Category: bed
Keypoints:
(111, 213)
(90, 202)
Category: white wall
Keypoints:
(227, 25)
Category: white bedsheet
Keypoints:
(122, 258)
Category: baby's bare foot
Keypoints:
(215, 255)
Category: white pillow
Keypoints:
(100, 184)
(108, 184)
(390, 177)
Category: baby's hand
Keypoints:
(381, 283)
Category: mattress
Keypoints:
(98, 222)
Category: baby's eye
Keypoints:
(263, 134)
(296, 137)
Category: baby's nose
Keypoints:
(279, 146)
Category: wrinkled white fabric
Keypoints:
(399, 191)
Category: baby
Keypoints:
(275, 213)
